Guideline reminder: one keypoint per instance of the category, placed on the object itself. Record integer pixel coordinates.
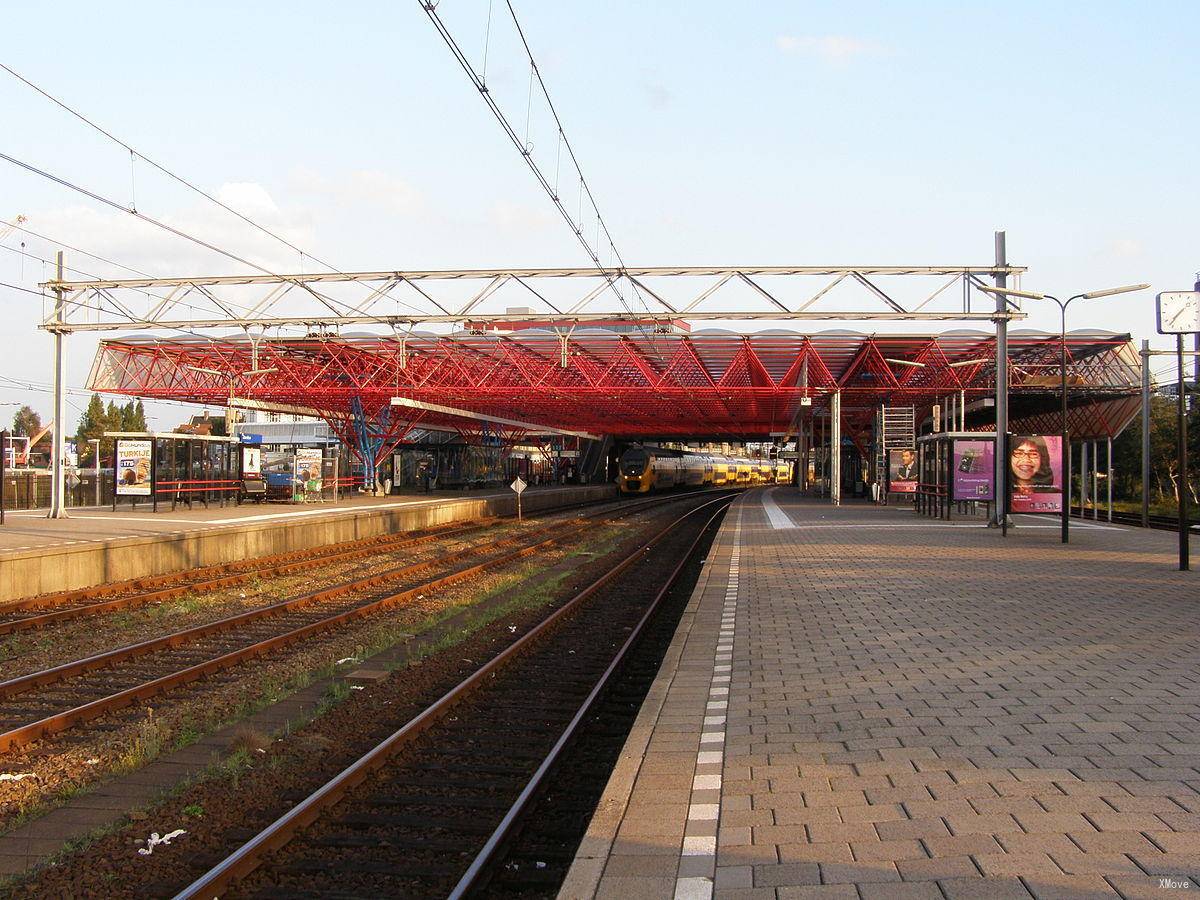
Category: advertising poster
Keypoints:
(902, 471)
(133, 468)
(251, 461)
(1035, 470)
(308, 471)
(974, 470)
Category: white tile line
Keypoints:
(776, 516)
(712, 740)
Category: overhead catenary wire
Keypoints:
(133, 317)
(67, 246)
(521, 144)
(17, 287)
(327, 301)
(135, 154)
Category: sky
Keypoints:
(769, 133)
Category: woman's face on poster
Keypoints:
(1026, 461)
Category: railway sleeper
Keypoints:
(414, 800)
(462, 825)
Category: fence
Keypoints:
(31, 489)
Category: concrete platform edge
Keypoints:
(583, 878)
(32, 572)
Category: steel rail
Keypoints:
(15, 686)
(270, 570)
(509, 823)
(154, 581)
(57, 722)
(59, 598)
(249, 856)
(179, 583)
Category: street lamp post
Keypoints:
(1065, 450)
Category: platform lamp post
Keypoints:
(1062, 308)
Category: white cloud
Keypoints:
(522, 217)
(383, 190)
(248, 198)
(369, 187)
(1125, 248)
(123, 238)
(830, 47)
(657, 94)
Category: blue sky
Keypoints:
(804, 133)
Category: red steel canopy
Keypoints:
(633, 382)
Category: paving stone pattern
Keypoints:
(921, 711)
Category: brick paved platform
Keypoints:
(860, 703)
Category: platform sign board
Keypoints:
(1179, 312)
(902, 471)
(1035, 471)
(974, 469)
(251, 461)
(134, 459)
(308, 471)
(519, 486)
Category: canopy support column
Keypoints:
(835, 448)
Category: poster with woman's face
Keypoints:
(1035, 473)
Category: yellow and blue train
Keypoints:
(641, 470)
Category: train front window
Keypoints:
(633, 462)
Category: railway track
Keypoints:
(71, 605)
(66, 606)
(52, 700)
(1166, 523)
(425, 812)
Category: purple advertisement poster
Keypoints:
(1035, 470)
(974, 470)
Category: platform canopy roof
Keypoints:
(637, 383)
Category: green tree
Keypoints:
(26, 422)
(1164, 454)
(95, 421)
(133, 416)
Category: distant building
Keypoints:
(203, 424)
(284, 428)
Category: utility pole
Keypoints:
(1145, 434)
(58, 433)
(1001, 456)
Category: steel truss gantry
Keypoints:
(561, 296)
(394, 303)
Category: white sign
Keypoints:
(806, 401)
(133, 468)
(251, 460)
(1179, 312)
(518, 485)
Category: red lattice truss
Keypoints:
(702, 384)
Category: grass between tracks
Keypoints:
(450, 617)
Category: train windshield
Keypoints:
(633, 461)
